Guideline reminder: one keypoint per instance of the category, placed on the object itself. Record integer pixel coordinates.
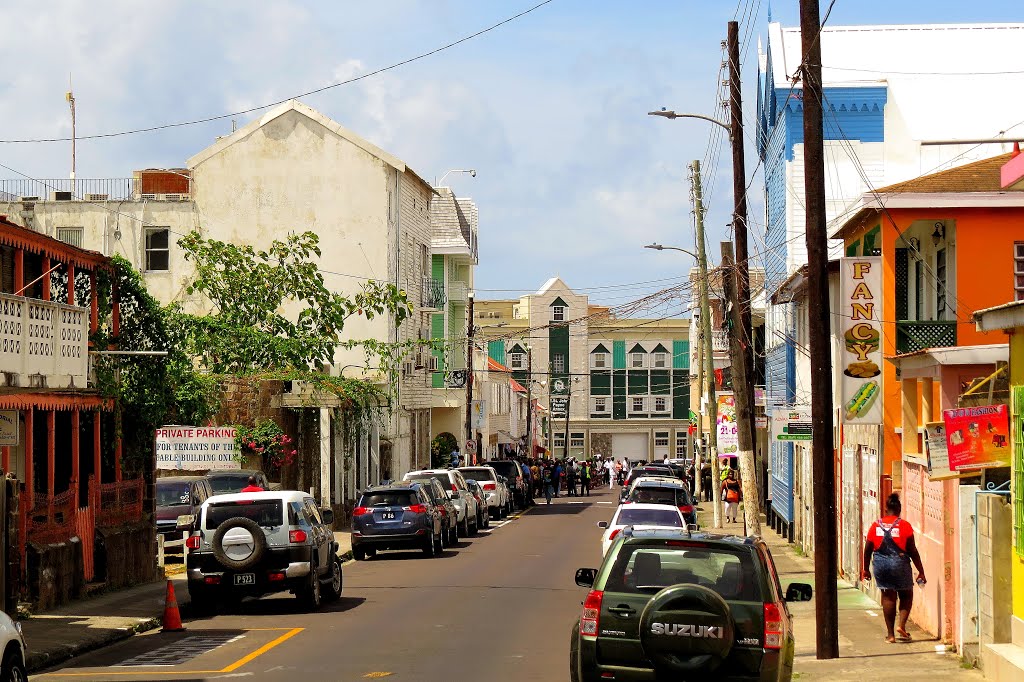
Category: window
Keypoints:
(659, 359)
(600, 360)
(70, 235)
(157, 249)
(559, 439)
(638, 404)
(558, 313)
(558, 363)
(1018, 270)
(517, 360)
(661, 437)
(576, 440)
(681, 443)
(918, 290)
(659, 406)
(637, 359)
(600, 404)
(940, 293)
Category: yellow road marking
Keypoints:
(262, 650)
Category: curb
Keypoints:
(47, 659)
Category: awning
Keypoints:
(516, 386)
(504, 436)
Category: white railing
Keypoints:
(457, 290)
(162, 544)
(43, 338)
(719, 341)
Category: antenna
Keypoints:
(70, 97)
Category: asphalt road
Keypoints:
(498, 606)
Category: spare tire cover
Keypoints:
(239, 543)
(686, 629)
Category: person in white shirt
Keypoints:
(609, 468)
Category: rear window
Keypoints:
(649, 517)
(389, 498)
(440, 478)
(640, 568)
(267, 513)
(506, 469)
(676, 497)
(478, 474)
(223, 485)
(172, 494)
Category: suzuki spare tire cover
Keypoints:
(686, 629)
(239, 543)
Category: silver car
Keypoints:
(495, 490)
(455, 484)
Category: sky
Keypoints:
(573, 177)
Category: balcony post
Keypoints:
(75, 451)
(94, 305)
(19, 272)
(29, 458)
(6, 459)
(97, 460)
(46, 278)
(115, 314)
(51, 425)
(71, 284)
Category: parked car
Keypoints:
(395, 516)
(455, 484)
(178, 496)
(227, 482)
(449, 517)
(511, 470)
(664, 490)
(639, 516)
(483, 512)
(251, 544)
(647, 470)
(510, 503)
(15, 653)
(496, 494)
(668, 604)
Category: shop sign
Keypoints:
(728, 433)
(196, 448)
(977, 437)
(937, 451)
(791, 424)
(9, 427)
(860, 324)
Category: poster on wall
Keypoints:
(9, 427)
(977, 437)
(937, 452)
(196, 448)
(791, 424)
(728, 433)
(860, 326)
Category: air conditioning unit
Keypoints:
(61, 196)
(432, 363)
(97, 197)
(149, 197)
(28, 198)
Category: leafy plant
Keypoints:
(441, 448)
(265, 439)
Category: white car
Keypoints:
(454, 483)
(640, 516)
(15, 651)
(496, 493)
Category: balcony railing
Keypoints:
(433, 295)
(917, 335)
(719, 341)
(43, 339)
(458, 290)
(65, 189)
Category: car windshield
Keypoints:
(649, 517)
(506, 469)
(388, 498)
(478, 474)
(172, 494)
(440, 478)
(224, 484)
(658, 495)
(267, 513)
(648, 568)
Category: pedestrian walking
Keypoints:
(609, 468)
(585, 473)
(556, 478)
(732, 494)
(705, 481)
(890, 547)
(570, 478)
(548, 475)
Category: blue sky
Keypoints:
(573, 176)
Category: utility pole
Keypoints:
(529, 402)
(568, 404)
(70, 97)
(822, 462)
(739, 226)
(744, 400)
(469, 384)
(698, 457)
(709, 356)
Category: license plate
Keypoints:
(245, 579)
(388, 515)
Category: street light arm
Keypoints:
(673, 115)
(662, 247)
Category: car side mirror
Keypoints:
(327, 515)
(185, 522)
(799, 592)
(585, 577)
(602, 524)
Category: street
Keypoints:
(499, 604)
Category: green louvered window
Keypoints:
(1017, 420)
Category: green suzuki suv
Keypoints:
(667, 604)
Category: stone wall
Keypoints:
(54, 573)
(246, 400)
(128, 555)
(995, 526)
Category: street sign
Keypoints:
(470, 446)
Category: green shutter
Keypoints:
(619, 394)
(680, 355)
(852, 249)
(496, 351)
(437, 332)
(660, 382)
(871, 241)
(619, 355)
(680, 394)
(437, 267)
(600, 382)
(638, 382)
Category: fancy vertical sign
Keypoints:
(860, 325)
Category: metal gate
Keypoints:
(851, 535)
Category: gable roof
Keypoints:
(552, 282)
(980, 176)
(451, 222)
(559, 302)
(600, 348)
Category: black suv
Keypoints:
(396, 516)
(668, 604)
(516, 482)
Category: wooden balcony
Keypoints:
(915, 335)
(43, 344)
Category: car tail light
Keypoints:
(212, 580)
(360, 511)
(772, 626)
(591, 613)
(275, 577)
(296, 536)
(416, 508)
(627, 502)
(192, 542)
(686, 509)
(614, 533)
(488, 486)
(455, 488)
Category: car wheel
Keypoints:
(245, 547)
(429, 549)
(574, 653)
(453, 534)
(13, 669)
(439, 544)
(475, 528)
(359, 554)
(311, 593)
(371, 552)
(464, 531)
(201, 601)
(334, 587)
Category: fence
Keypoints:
(162, 543)
(53, 519)
(118, 502)
(90, 189)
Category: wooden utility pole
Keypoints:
(743, 395)
(529, 402)
(709, 356)
(568, 405)
(822, 462)
(698, 457)
(469, 458)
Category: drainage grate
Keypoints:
(181, 651)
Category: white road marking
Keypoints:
(873, 614)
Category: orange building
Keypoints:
(948, 243)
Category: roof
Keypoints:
(452, 223)
(1000, 317)
(980, 176)
(18, 236)
(517, 387)
(551, 283)
(988, 354)
(495, 366)
(313, 115)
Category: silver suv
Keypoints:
(251, 544)
(455, 484)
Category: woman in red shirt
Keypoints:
(890, 543)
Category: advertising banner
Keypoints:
(791, 424)
(860, 326)
(977, 437)
(728, 433)
(9, 427)
(196, 448)
(937, 451)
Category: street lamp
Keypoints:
(471, 171)
(661, 247)
(669, 114)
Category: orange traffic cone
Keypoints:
(172, 619)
